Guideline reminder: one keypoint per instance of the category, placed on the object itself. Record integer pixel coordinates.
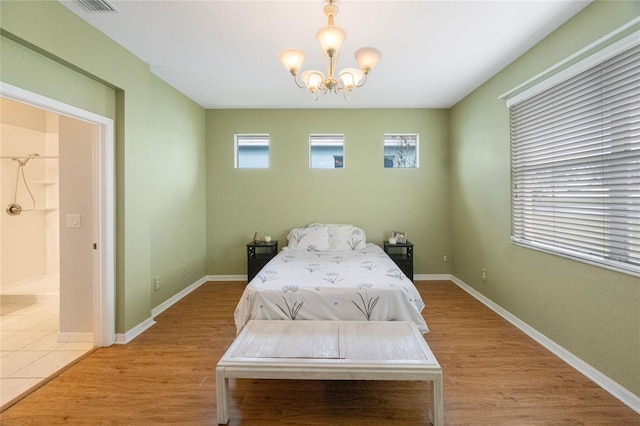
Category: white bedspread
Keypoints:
(352, 285)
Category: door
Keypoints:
(88, 219)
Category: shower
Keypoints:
(14, 208)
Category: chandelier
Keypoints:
(330, 38)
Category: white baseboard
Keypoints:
(226, 278)
(175, 298)
(143, 326)
(134, 332)
(416, 277)
(432, 277)
(618, 391)
(124, 338)
(75, 337)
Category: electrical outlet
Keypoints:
(484, 274)
(213, 259)
(156, 284)
(445, 259)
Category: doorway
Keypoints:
(57, 232)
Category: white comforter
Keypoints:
(352, 285)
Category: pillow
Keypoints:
(311, 239)
(344, 236)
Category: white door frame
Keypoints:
(103, 203)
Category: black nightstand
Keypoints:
(258, 255)
(402, 254)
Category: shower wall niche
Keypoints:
(30, 241)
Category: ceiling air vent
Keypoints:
(98, 6)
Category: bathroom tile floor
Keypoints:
(29, 348)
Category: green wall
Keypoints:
(592, 312)
(289, 194)
(160, 145)
(175, 179)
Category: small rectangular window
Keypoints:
(326, 151)
(401, 151)
(252, 152)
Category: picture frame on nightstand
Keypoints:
(400, 236)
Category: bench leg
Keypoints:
(438, 401)
(222, 397)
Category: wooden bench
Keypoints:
(329, 350)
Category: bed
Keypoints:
(330, 272)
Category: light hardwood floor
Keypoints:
(493, 375)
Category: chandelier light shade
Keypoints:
(330, 38)
(292, 59)
(367, 58)
(312, 79)
(351, 77)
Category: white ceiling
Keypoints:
(224, 54)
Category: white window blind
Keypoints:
(575, 164)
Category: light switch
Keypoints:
(73, 221)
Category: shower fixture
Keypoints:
(14, 209)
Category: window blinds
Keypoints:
(252, 140)
(575, 164)
(326, 140)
